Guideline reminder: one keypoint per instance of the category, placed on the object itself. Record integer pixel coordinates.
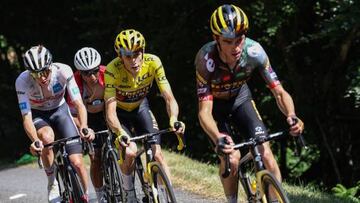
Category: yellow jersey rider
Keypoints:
(128, 79)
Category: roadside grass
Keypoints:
(202, 179)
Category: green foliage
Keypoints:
(347, 193)
(300, 163)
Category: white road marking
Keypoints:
(17, 196)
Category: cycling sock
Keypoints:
(128, 181)
(50, 173)
(231, 198)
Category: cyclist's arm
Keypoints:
(29, 127)
(172, 107)
(111, 116)
(81, 113)
(283, 100)
(207, 121)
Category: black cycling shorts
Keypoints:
(96, 121)
(242, 115)
(62, 123)
(139, 121)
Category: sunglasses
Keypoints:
(44, 73)
(90, 72)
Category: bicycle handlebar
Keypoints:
(257, 141)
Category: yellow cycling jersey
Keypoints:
(129, 91)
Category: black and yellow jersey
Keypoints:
(129, 91)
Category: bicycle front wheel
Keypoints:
(112, 175)
(272, 189)
(162, 191)
(76, 190)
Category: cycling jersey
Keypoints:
(129, 91)
(216, 80)
(32, 96)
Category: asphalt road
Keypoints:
(27, 184)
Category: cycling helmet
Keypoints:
(229, 21)
(129, 41)
(86, 59)
(37, 59)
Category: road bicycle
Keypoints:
(70, 187)
(110, 168)
(258, 183)
(155, 184)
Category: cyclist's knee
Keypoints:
(46, 134)
(76, 161)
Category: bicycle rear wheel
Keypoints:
(162, 186)
(112, 176)
(272, 189)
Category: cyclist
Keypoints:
(40, 90)
(90, 79)
(128, 79)
(222, 68)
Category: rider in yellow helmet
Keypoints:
(222, 68)
(128, 79)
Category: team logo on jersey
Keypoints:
(210, 65)
(57, 88)
(254, 51)
(75, 90)
(23, 105)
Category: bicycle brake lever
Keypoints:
(37, 144)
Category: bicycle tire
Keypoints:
(77, 190)
(141, 187)
(64, 188)
(269, 181)
(165, 191)
(112, 172)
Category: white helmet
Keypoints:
(87, 58)
(37, 59)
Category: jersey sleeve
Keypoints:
(71, 86)
(109, 82)
(204, 67)
(160, 77)
(23, 99)
(258, 54)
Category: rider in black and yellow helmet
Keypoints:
(128, 42)
(229, 21)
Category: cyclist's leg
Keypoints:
(46, 135)
(96, 121)
(146, 123)
(64, 126)
(249, 117)
(221, 111)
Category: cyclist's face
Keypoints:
(43, 77)
(230, 49)
(133, 62)
(91, 76)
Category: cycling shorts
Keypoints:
(96, 121)
(242, 115)
(62, 123)
(139, 121)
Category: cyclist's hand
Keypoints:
(122, 139)
(36, 147)
(87, 134)
(296, 125)
(177, 126)
(224, 145)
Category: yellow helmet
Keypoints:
(129, 41)
(229, 21)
